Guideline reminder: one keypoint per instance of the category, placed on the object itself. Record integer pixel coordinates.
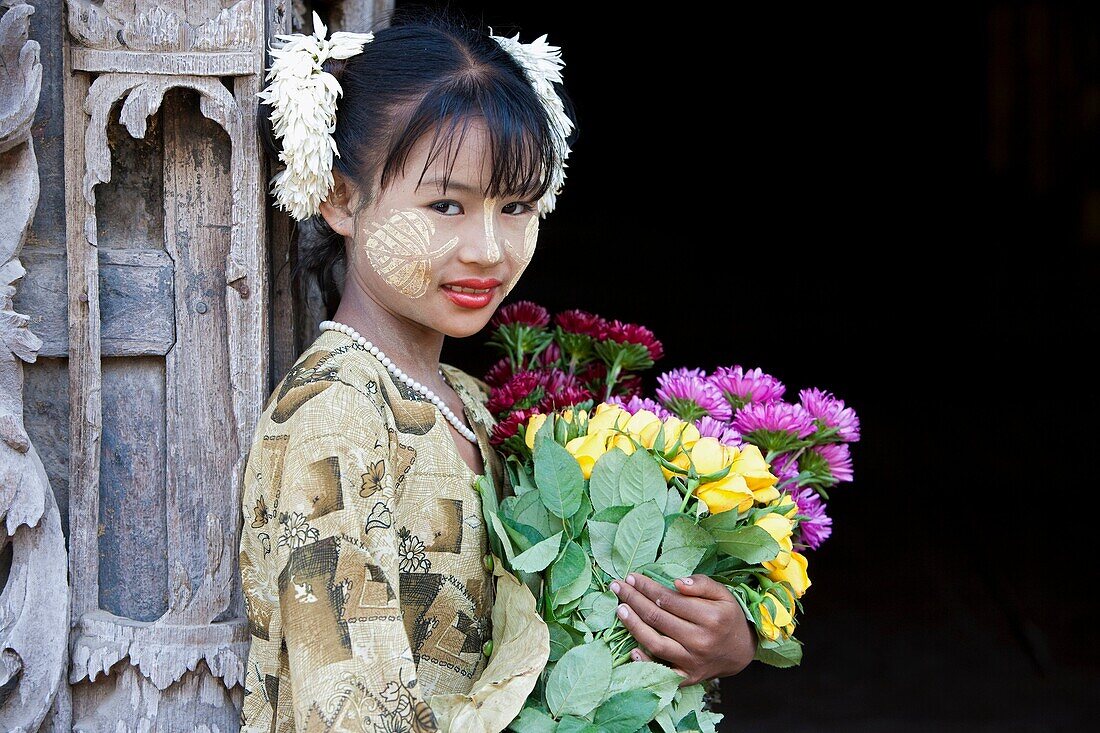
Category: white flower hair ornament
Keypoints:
(542, 64)
(302, 97)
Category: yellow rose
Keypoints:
(675, 429)
(607, 416)
(785, 502)
(751, 464)
(726, 494)
(533, 424)
(639, 421)
(779, 527)
(587, 449)
(794, 574)
(772, 623)
(567, 414)
(708, 455)
(622, 442)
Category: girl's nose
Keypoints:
(493, 251)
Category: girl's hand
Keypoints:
(700, 631)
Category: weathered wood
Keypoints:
(133, 563)
(34, 600)
(194, 64)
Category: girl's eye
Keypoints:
(444, 207)
(522, 208)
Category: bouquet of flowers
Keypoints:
(717, 475)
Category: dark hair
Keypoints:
(429, 72)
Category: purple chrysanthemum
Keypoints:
(692, 397)
(774, 417)
(741, 387)
(636, 403)
(816, 527)
(686, 373)
(832, 412)
(839, 459)
(784, 468)
(709, 427)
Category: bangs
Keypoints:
(520, 141)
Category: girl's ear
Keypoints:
(338, 205)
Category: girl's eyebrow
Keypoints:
(457, 185)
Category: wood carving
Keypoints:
(178, 25)
(34, 601)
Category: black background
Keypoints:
(900, 205)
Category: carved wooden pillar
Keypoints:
(168, 358)
(34, 600)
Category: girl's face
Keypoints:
(445, 261)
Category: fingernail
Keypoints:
(635, 655)
(687, 581)
(624, 611)
(615, 588)
(630, 579)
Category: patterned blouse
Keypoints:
(362, 549)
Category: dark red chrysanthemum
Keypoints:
(517, 389)
(499, 373)
(593, 373)
(550, 355)
(633, 333)
(630, 386)
(509, 426)
(562, 390)
(578, 321)
(523, 312)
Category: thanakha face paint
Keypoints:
(493, 249)
(524, 255)
(401, 250)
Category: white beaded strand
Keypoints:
(402, 377)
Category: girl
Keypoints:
(363, 554)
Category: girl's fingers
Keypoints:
(657, 644)
(651, 613)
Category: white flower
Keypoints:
(302, 97)
(542, 64)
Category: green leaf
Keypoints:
(530, 511)
(539, 556)
(579, 680)
(576, 522)
(573, 724)
(687, 700)
(601, 535)
(626, 712)
(672, 501)
(523, 536)
(751, 544)
(654, 571)
(559, 478)
(604, 483)
(656, 678)
(612, 514)
(783, 653)
(598, 609)
(485, 488)
(641, 480)
(728, 521)
(677, 562)
(637, 538)
(682, 532)
(562, 639)
(664, 719)
(502, 533)
(571, 575)
(533, 720)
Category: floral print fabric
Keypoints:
(362, 549)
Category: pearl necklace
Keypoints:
(403, 378)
